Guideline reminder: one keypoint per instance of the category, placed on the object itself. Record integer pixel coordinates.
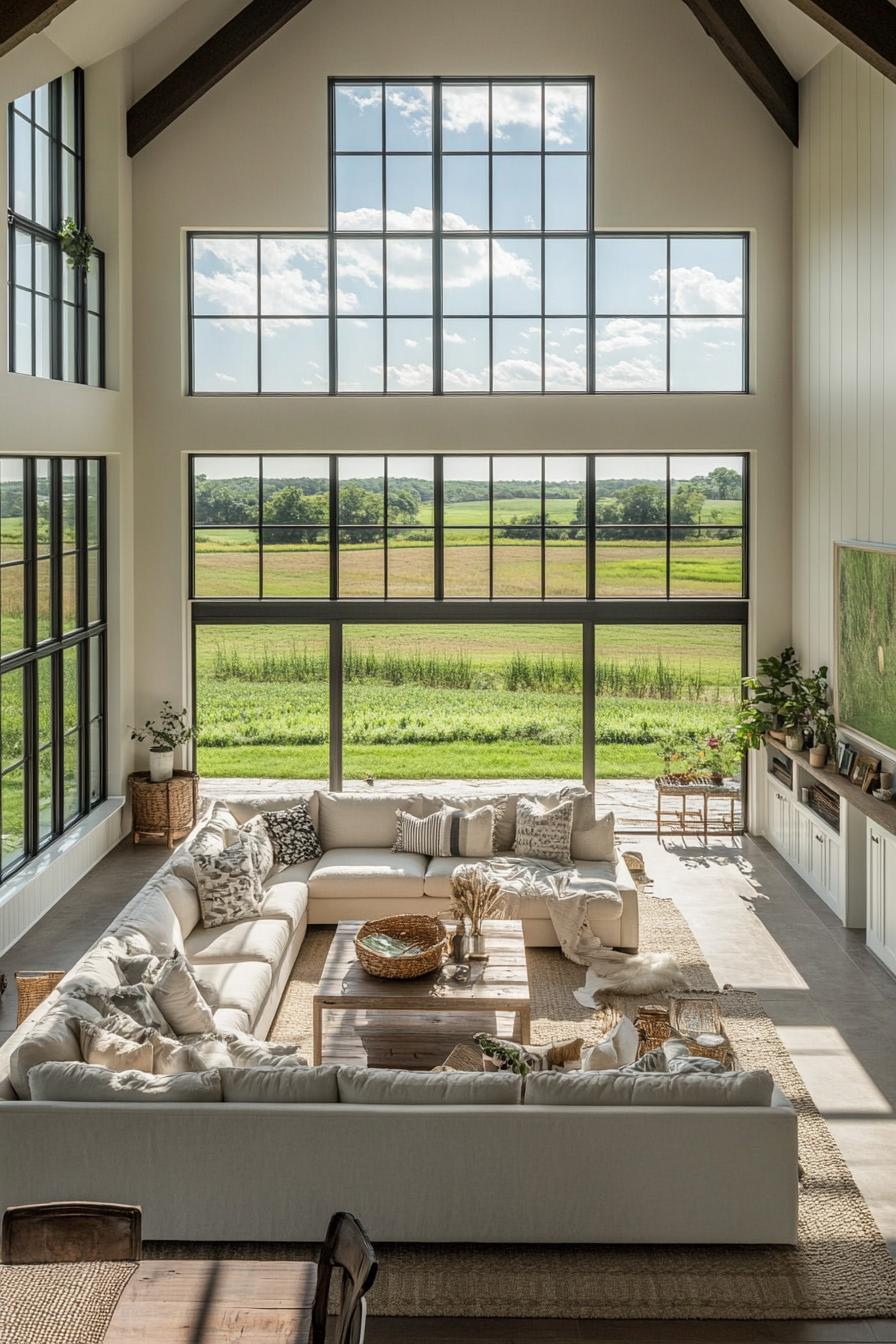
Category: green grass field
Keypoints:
(450, 701)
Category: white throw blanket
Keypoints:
(570, 899)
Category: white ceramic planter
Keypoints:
(793, 741)
(161, 765)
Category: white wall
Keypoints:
(844, 468)
(41, 416)
(680, 143)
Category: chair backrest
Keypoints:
(348, 1249)
(43, 1234)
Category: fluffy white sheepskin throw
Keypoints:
(621, 973)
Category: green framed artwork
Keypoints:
(865, 625)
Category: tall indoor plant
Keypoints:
(773, 701)
(171, 730)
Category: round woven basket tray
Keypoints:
(429, 933)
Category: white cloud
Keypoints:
(465, 106)
(693, 289)
(410, 377)
(563, 374)
(453, 338)
(517, 374)
(466, 380)
(224, 377)
(510, 265)
(631, 375)
(627, 333)
(689, 325)
(413, 103)
(364, 97)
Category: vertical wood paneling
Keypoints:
(845, 331)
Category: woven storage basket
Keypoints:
(653, 1026)
(165, 808)
(32, 987)
(423, 929)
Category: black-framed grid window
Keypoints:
(52, 649)
(55, 312)
(665, 527)
(670, 312)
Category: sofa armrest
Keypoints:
(624, 879)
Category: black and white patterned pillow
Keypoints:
(255, 840)
(292, 834)
(227, 886)
(543, 833)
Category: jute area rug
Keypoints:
(59, 1304)
(841, 1268)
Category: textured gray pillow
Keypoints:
(612, 1088)
(88, 1083)
(227, 886)
(178, 996)
(297, 1085)
(99, 1046)
(404, 1087)
(543, 833)
(135, 1001)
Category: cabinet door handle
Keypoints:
(875, 839)
(820, 839)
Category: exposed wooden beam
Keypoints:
(200, 72)
(867, 27)
(21, 18)
(753, 57)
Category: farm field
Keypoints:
(227, 565)
(448, 701)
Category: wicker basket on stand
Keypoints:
(166, 810)
(32, 987)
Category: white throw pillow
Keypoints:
(89, 1083)
(248, 1053)
(135, 1001)
(178, 996)
(543, 833)
(99, 1046)
(55, 1036)
(227, 887)
(597, 843)
(616, 1049)
(170, 1057)
(257, 843)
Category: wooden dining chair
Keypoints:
(43, 1234)
(348, 1249)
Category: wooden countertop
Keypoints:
(882, 814)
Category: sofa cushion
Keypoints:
(135, 1001)
(597, 841)
(99, 1046)
(246, 807)
(238, 984)
(349, 873)
(255, 839)
(286, 894)
(231, 1019)
(214, 833)
(153, 915)
(616, 1049)
(53, 1037)
(361, 820)
(543, 832)
(170, 1056)
(97, 969)
(503, 803)
(611, 1088)
(181, 896)
(437, 882)
(294, 1085)
(179, 998)
(251, 939)
(87, 1082)
(404, 1087)
(248, 1053)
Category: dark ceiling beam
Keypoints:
(223, 52)
(867, 27)
(22, 18)
(754, 58)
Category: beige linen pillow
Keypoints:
(598, 842)
(170, 1057)
(54, 1037)
(178, 996)
(99, 1046)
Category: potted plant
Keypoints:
(78, 246)
(820, 717)
(170, 731)
(763, 708)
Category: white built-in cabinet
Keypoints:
(880, 865)
(831, 861)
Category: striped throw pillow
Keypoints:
(450, 832)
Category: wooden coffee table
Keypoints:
(423, 1013)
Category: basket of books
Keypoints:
(402, 946)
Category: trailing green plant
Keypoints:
(505, 1054)
(774, 697)
(77, 244)
(172, 729)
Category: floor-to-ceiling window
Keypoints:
(52, 649)
(446, 616)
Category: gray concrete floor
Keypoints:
(761, 928)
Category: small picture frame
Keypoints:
(846, 759)
(865, 770)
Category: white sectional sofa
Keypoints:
(521, 1169)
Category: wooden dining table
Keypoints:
(215, 1302)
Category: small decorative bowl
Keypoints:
(883, 795)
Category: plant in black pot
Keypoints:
(170, 731)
